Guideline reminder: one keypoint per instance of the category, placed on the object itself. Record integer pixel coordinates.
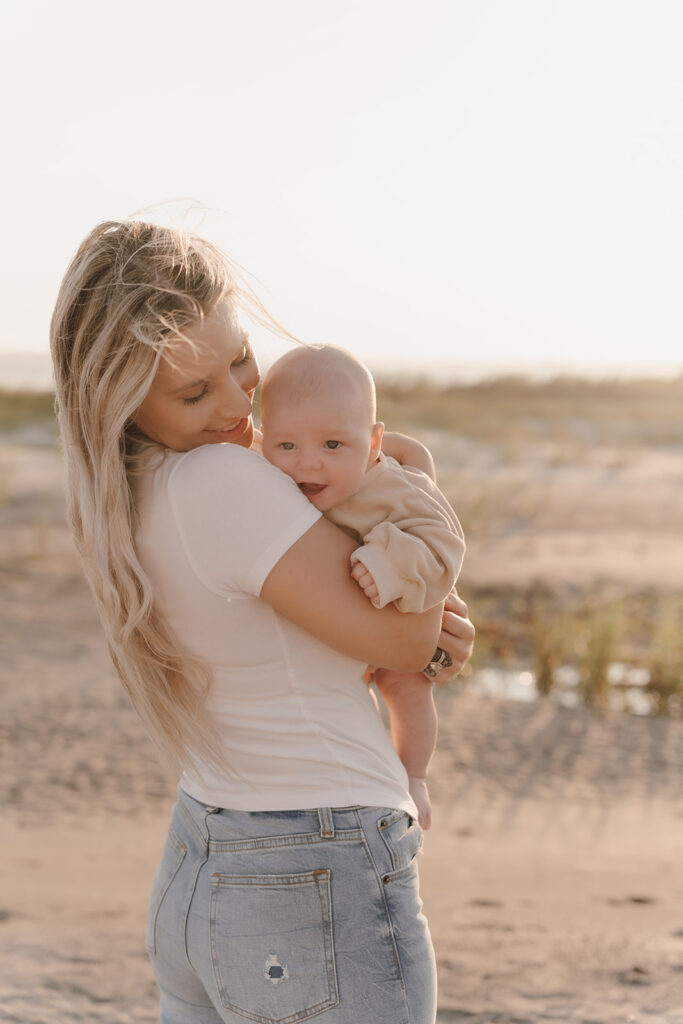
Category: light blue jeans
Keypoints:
(281, 916)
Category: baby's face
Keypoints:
(326, 445)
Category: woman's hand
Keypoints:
(456, 641)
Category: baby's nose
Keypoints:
(310, 459)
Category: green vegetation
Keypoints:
(579, 413)
(26, 408)
(562, 423)
(587, 630)
(666, 664)
(553, 424)
(504, 410)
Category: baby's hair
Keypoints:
(131, 290)
(311, 369)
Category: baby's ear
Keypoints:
(376, 439)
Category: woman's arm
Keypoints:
(311, 585)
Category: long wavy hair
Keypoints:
(132, 288)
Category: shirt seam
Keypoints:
(290, 534)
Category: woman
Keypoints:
(287, 887)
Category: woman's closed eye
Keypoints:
(244, 357)
(195, 398)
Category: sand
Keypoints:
(552, 877)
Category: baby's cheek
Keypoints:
(277, 459)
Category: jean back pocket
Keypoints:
(272, 947)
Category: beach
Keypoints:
(551, 877)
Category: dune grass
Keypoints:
(535, 626)
(26, 408)
(614, 413)
(588, 629)
(610, 412)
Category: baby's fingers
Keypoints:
(365, 581)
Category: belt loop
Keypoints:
(208, 811)
(326, 822)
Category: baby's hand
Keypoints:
(365, 581)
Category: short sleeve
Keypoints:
(236, 515)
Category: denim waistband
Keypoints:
(222, 829)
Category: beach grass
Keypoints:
(589, 629)
(506, 410)
(549, 427)
(571, 411)
(26, 408)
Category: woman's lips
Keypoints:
(230, 433)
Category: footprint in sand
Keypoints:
(625, 900)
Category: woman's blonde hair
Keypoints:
(131, 288)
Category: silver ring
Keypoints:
(440, 659)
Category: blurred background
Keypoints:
(450, 188)
(481, 199)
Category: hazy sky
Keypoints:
(471, 182)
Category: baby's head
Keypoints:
(318, 418)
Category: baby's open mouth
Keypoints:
(312, 490)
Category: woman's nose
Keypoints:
(233, 399)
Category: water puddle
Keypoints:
(627, 690)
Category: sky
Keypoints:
(446, 188)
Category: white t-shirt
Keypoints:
(298, 724)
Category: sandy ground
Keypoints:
(552, 878)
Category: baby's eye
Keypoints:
(333, 444)
(287, 446)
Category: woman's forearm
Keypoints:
(312, 586)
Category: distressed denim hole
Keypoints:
(275, 970)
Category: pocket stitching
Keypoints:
(325, 899)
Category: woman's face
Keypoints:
(202, 390)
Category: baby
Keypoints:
(319, 426)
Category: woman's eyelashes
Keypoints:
(244, 357)
(195, 398)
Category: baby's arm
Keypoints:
(412, 542)
(409, 452)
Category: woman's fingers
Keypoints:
(456, 641)
(455, 604)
